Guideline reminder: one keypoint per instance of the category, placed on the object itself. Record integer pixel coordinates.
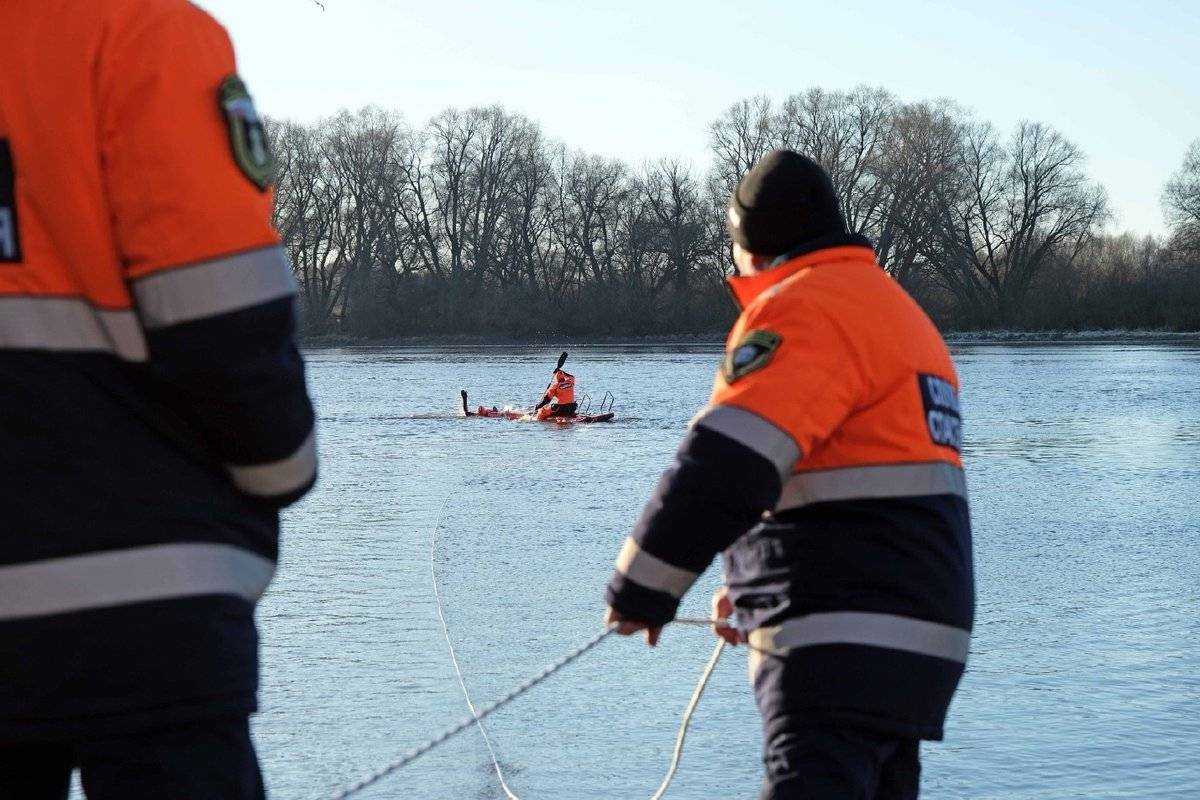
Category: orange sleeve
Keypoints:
(176, 191)
(806, 386)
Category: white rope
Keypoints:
(685, 723)
(479, 714)
(467, 722)
(454, 658)
(677, 756)
(724, 623)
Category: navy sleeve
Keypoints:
(221, 340)
(715, 491)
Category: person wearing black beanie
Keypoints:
(826, 469)
(783, 207)
(785, 201)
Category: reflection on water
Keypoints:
(1084, 679)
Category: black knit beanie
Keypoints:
(784, 201)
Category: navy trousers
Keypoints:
(808, 756)
(204, 760)
(565, 410)
(826, 762)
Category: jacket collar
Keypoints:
(840, 247)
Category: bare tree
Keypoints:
(1181, 201)
(481, 161)
(306, 212)
(1018, 205)
(364, 151)
(916, 165)
(685, 230)
(746, 132)
(451, 136)
(593, 189)
(530, 221)
(494, 173)
(846, 133)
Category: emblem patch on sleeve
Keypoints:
(752, 352)
(943, 416)
(246, 133)
(10, 233)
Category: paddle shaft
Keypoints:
(562, 359)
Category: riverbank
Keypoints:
(718, 337)
(468, 340)
(1072, 337)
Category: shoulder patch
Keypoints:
(246, 133)
(752, 352)
(943, 415)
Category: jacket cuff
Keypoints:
(636, 602)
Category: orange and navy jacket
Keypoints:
(827, 467)
(561, 389)
(153, 411)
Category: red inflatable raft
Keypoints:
(516, 413)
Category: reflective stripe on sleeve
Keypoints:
(70, 325)
(652, 572)
(213, 287)
(140, 574)
(759, 434)
(888, 480)
(278, 477)
(862, 628)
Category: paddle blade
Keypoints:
(463, 392)
(562, 359)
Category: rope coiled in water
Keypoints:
(478, 715)
(677, 755)
(487, 740)
(467, 722)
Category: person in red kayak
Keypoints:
(559, 398)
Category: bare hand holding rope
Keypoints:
(627, 627)
(722, 625)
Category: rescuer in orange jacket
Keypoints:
(153, 411)
(559, 398)
(827, 468)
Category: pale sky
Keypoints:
(643, 80)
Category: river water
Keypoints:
(1084, 679)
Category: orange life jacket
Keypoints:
(562, 388)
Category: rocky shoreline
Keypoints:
(716, 338)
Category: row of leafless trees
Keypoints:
(477, 223)
(1126, 281)
(1118, 282)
